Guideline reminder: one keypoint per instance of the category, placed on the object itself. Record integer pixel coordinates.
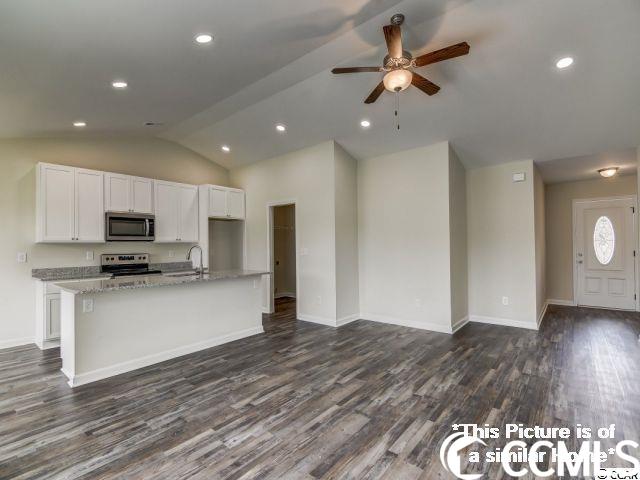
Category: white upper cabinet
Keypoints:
(142, 195)
(124, 193)
(217, 202)
(55, 203)
(188, 224)
(226, 203)
(235, 204)
(176, 207)
(89, 206)
(70, 204)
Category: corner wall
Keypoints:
(502, 245)
(458, 261)
(404, 239)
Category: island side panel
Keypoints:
(133, 328)
(68, 333)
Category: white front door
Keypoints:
(605, 241)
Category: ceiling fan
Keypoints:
(398, 64)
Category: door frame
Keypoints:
(270, 256)
(574, 204)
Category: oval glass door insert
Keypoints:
(604, 240)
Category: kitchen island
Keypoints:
(112, 326)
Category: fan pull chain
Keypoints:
(397, 109)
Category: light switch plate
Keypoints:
(89, 255)
(87, 305)
(21, 257)
(519, 177)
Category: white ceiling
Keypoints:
(504, 101)
(585, 167)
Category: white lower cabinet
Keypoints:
(47, 315)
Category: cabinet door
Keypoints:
(217, 202)
(56, 210)
(141, 195)
(235, 204)
(117, 192)
(188, 213)
(52, 316)
(89, 206)
(166, 197)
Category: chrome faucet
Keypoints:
(199, 271)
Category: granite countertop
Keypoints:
(128, 283)
(89, 272)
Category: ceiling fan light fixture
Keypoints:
(608, 172)
(397, 80)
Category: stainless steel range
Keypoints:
(126, 264)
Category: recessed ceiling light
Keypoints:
(225, 148)
(365, 123)
(119, 84)
(79, 124)
(608, 172)
(564, 62)
(281, 128)
(204, 38)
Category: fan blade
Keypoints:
(393, 37)
(375, 94)
(446, 53)
(423, 84)
(356, 69)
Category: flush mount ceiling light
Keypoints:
(225, 148)
(608, 172)
(79, 124)
(204, 38)
(564, 62)
(281, 128)
(365, 123)
(119, 84)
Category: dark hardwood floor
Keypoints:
(304, 401)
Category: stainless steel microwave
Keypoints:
(129, 227)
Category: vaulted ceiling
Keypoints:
(271, 64)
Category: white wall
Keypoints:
(501, 243)
(403, 238)
(305, 177)
(346, 201)
(136, 156)
(458, 239)
(540, 243)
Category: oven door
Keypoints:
(129, 227)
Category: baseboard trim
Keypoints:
(16, 342)
(542, 314)
(135, 364)
(432, 327)
(566, 303)
(505, 322)
(319, 320)
(285, 295)
(459, 324)
(348, 319)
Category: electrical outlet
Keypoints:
(89, 255)
(318, 300)
(172, 254)
(21, 257)
(87, 305)
(418, 302)
(505, 300)
(304, 251)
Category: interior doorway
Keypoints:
(284, 285)
(605, 240)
